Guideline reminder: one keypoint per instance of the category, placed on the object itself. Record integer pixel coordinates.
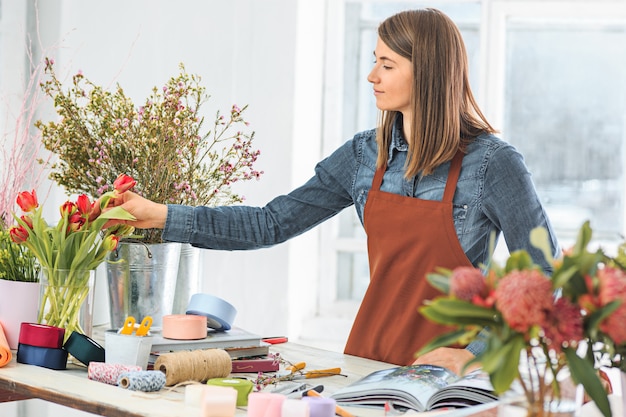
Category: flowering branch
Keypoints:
(102, 132)
(545, 319)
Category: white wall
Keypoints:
(267, 54)
(247, 52)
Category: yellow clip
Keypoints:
(144, 327)
(129, 326)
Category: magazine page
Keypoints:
(472, 389)
(402, 387)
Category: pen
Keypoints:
(338, 410)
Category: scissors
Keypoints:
(141, 330)
(297, 371)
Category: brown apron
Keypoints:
(407, 239)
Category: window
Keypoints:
(549, 76)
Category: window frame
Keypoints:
(490, 95)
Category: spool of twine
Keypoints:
(146, 381)
(194, 365)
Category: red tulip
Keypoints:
(124, 183)
(76, 221)
(110, 242)
(28, 221)
(67, 208)
(27, 201)
(84, 205)
(18, 234)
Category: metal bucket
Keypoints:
(142, 281)
(188, 282)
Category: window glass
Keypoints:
(565, 111)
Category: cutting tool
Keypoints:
(297, 371)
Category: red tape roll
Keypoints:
(41, 335)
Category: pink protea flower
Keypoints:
(524, 298)
(564, 325)
(467, 282)
(613, 287)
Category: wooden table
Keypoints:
(72, 388)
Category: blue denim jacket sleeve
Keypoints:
(286, 216)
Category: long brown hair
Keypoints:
(445, 115)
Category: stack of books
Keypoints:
(240, 345)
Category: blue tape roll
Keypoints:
(50, 358)
(84, 348)
(219, 313)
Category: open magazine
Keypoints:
(418, 387)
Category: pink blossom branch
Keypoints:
(20, 147)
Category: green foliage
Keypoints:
(574, 278)
(17, 263)
(163, 144)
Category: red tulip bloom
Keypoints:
(27, 201)
(124, 183)
(67, 208)
(28, 221)
(110, 242)
(18, 234)
(76, 221)
(84, 205)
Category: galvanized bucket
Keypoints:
(188, 282)
(142, 281)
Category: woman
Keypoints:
(429, 185)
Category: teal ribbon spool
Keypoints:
(243, 387)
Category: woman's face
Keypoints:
(392, 79)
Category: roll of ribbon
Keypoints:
(5, 350)
(241, 385)
(219, 313)
(265, 404)
(146, 381)
(40, 356)
(109, 373)
(184, 327)
(41, 335)
(320, 406)
(84, 348)
(219, 402)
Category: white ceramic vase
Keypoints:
(19, 302)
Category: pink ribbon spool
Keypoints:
(184, 327)
(265, 404)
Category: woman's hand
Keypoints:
(148, 214)
(452, 358)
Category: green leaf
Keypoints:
(503, 364)
(583, 238)
(440, 280)
(540, 239)
(519, 260)
(447, 339)
(599, 315)
(584, 373)
(458, 312)
(117, 213)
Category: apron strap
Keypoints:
(378, 177)
(453, 176)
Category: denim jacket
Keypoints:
(495, 194)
